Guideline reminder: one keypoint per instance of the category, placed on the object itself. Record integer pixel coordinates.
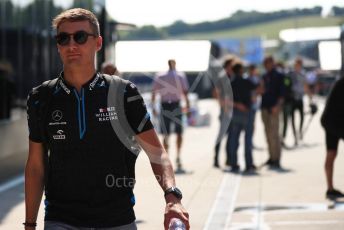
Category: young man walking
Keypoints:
(77, 156)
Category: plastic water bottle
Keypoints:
(176, 224)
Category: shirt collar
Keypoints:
(172, 72)
(90, 84)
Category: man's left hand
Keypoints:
(176, 210)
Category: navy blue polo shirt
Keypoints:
(274, 88)
(242, 90)
(90, 172)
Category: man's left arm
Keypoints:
(139, 120)
(164, 174)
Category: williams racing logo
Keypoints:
(107, 114)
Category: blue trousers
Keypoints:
(249, 129)
(238, 124)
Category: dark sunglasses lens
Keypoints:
(80, 37)
(62, 39)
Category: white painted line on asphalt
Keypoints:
(258, 217)
(282, 208)
(234, 195)
(12, 183)
(223, 206)
(307, 222)
(259, 209)
(213, 208)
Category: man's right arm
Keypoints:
(34, 182)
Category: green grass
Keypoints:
(268, 30)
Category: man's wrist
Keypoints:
(173, 195)
(174, 191)
(172, 199)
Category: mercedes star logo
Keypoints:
(57, 115)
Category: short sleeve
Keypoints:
(32, 116)
(136, 110)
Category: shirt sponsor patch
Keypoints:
(107, 114)
(57, 116)
(59, 135)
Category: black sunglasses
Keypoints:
(79, 37)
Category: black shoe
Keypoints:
(235, 169)
(334, 194)
(268, 162)
(275, 165)
(216, 164)
(251, 169)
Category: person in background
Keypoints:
(272, 102)
(109, 68)
(333, 124)
(312, 82)
(253, 77)
(7, 90)
(299, 87)
(287, 107)
(222, 94)
(172, 87)
(242, 102)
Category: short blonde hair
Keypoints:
(75, 15)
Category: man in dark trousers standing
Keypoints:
(272, 101)
(242, 101)
(76, 156)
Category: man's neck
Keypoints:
(78, 77)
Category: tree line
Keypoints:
(37, 16)
(238, 19)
